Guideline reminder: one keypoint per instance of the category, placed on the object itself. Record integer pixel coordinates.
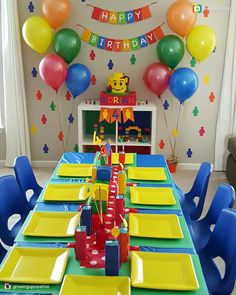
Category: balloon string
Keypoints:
(171, 146)
(60, 119)
(69, 125)
(90, 5)
(78, 25)
(81, 26)
(177, 127)
(155, 2)
(162, 24)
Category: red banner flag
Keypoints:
(96, 13)
(118, 45)
(159, 33)
(121, 17)
(109, 44)
(146, 12)
(138, 16)
(151, 37)
(104, 16)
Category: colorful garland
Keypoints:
(121, 17)
(119, 45)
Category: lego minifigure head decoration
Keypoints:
(118, 83)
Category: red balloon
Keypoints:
(53, 70)
(157, 77)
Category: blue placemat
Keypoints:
(151, 161)
(78, 158)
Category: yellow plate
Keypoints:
(52, 224)
(165, 271)
(129, 158)
(165, 226)
(152, 196)
(34, 265)
(146, 173)
(75, 170)
(65, 192)
(90, 285)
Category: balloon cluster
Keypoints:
(200, 43)
(38, 33)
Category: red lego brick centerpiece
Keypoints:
(102, 237)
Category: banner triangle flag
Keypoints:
(128, 114)
(104, 115)
(115, 115)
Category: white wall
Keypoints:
(201, 146)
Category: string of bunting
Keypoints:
(114, 114)
(121, 17)
(122, 45)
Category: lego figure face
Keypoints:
(118, 86)
(118, 83)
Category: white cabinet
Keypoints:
(138, 136)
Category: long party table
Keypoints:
(184, 245)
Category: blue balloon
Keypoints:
(78, 79)
(183, 84)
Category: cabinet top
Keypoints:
(142, 105)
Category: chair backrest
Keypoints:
(12, 201)
(199, 189)
(25, 175)
(224, 198)
(2, 252)
(223, 244)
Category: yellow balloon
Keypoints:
(37, 33)
(201, 42)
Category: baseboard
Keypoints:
(44, 164)
(53, 164)
(189, 166)
(37, 164)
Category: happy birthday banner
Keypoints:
(122, 45)
(121, 17)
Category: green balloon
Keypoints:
(170, 50)
(67, 44)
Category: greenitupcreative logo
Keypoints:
(197, 8)
(7, 286)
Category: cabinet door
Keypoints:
(103, 129)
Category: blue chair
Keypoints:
(222, 244)
(3, 252)
(190, 205)
(12, 201)
(201, 229)
(26, 179)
